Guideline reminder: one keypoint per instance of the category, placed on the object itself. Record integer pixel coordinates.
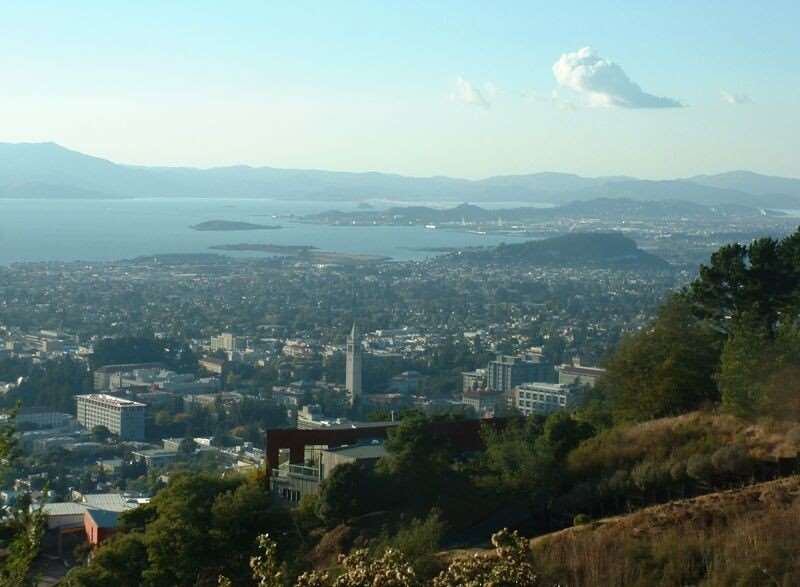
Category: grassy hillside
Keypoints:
(743, 537)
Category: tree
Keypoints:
(196, 528)
(119, 562)
(128, 349)
(419, 541)
(350, 490)
(743, 367)
(416, 451)
(21, 528)
(52, 384)
(562, 432)
(509, 461)
(666, 369)
(100, 433)
(757, 368)
(759, 279)
(418, 463)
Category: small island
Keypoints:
(231, 225)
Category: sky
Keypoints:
(470, 89)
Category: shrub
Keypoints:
(581, 520)
(419, 542)
(731, 460)
(512, 567)
(699, 468)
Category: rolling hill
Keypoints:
(48, 170)
(588, 249)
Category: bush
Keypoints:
(512, 567)
(732, 461)
(419, 542)
(581, 520)
(699, 468)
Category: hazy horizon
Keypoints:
(448, 89)
(266, 165)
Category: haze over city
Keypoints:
(399, 294)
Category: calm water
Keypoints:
(98, 230)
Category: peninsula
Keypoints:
(305, 253)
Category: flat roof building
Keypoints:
(473, 380)
(579, 374)
(546, 398)
(506, 371)
(122, 417)
(291, 482)
(156, 458)
(103, 375)
(226, 342)
(485, 403)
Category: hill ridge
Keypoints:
(49, 170)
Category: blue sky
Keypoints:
(455, 88)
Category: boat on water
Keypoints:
(430, 226)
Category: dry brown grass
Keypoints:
(743, 536)
(672, 437)
(740, 537)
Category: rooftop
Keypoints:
(594, 371)
(113, 502)
(103, 518)
(156, 456)
(554, 387)
(360, 451)
(63, 508)
(128, 367)
(110, 400)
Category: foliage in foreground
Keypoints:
(198, 527)
(21, 530)
(510, 567)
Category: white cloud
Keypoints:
(604, 82)
(468, 93)
(736, 99)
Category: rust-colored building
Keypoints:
(463, 434)
(99, 525)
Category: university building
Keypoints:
(506, 372)
(546, 398)
(122, 417)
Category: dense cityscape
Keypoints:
(131, 372)
(361, 294)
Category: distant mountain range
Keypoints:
(587, 249)
(47, 170)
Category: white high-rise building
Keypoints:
(123, 417)
(226, 342)
(353, 367)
